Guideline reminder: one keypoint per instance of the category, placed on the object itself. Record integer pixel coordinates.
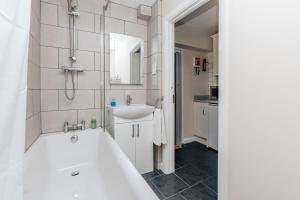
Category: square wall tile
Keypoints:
(49, 100)
(33, 77)
(36, 95)
(152, 96)
(89, 41)
(55, 36)
(35, 52)
(118, 95)
(85, 59)
(53, 121)
(99, 98)
(33, 129)
(97, 23)
(49, 57)
(63, 17)
(94, 6)
(29, 102)
(143, 22)
(138, 96)
(36, 7)
(88, 115)
(35, 26)
(89, 80)
(122, 12)
(84, 99)
(114, 25)
(85, 22)
(55, 79)
(136, 30)
(49, 14)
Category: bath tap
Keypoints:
(74, 139)
(74, 127)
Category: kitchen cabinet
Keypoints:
(213, 126)
(135, 139)
(201, 120)
(215, 54)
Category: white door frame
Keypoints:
(168, 50)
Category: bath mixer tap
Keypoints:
(74, 127)
(128, 100)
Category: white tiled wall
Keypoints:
(123, 19)
(55, 53)
(154, 80)
(47, 106)
(33, 115)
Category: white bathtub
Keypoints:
(105, 171)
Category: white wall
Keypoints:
(191, 85)
(259, 102)
(191, 39)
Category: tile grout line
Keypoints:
(157, 189)
(181, 179)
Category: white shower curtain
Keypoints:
(14, 40)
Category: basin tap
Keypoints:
(128, 100)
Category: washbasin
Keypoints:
(133, 111)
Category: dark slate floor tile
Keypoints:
(199, 192)
(212, 182)
(176, 197)
(191, 174)
(169, 185)
(151, 175)
(159, 195)
(177, 165)
(208, 169)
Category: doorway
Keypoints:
(196, 105)
(178, 98)
(169, 84)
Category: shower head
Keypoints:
(73, 4)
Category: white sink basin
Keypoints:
(134, 111)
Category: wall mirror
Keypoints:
(126, 59)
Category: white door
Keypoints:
(144, 147)
(125, 137)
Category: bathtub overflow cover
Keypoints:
(75, 173)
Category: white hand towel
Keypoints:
(159, 133)
(163, 128)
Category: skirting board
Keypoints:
(194, 139)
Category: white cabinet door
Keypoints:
(201, 119)
(125, 137)
(144, 147)
(213, 127)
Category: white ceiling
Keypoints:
(135, 3)
(206, 23)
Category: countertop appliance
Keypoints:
(214, 92)
(213, 125)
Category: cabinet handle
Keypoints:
(203, 111)
(132, 131)
(138, 130)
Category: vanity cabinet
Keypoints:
(215, 54)
(201, 120)
(135, 139)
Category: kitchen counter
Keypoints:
(205, 99)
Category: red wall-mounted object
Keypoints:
(197, 62)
